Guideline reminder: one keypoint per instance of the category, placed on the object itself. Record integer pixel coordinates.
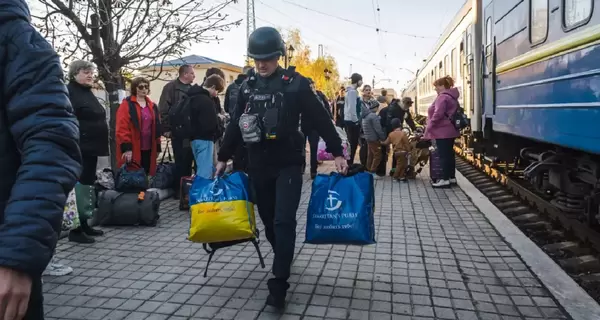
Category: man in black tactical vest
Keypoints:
(266, 119)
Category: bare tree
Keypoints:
(119, 35)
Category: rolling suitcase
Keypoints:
(435, 166)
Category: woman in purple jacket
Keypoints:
(441, 130)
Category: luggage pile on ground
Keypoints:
(131, 197)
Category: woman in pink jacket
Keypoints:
(441, 130)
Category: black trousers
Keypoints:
(184, 157)
(88, 174)
(381, 170)
(146, 160)
(313, 143)
(445, 149)
(353, 133)
(277, 194)
(35, 309)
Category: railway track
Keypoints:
(570, 242)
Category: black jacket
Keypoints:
(289, 148)
(93, 128)
(395, 111)
(325, 103)
(306, 122)
(235, 86)
(40, 160)
(203, 114)
(339, 110)
(171, 94)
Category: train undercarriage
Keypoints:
(567, 178)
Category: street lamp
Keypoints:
(289, 55)
(327, 74)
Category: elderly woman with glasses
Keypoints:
(138, 128)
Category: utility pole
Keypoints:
(250, 23)
(320, 51)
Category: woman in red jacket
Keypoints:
(138, 128)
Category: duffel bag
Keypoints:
(165, 172)
(127, 209)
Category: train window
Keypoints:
(577, 12)
(447, 66)
(469, 44)
(488, 31)
(453, 63)
(538, 21)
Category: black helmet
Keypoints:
(265, 43)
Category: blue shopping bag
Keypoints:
(341, 210)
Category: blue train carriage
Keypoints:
(541, 95)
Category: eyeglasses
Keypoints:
(143, 87)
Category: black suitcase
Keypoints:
(184, 193)
(127, 209)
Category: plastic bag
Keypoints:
(323, 155)
(221, 209)
(70, 214)
(341, 210)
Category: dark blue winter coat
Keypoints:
(40, 159)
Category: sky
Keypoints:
(408, 32)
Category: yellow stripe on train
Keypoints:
(222, 221)
(576, 41)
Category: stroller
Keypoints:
(418, 157)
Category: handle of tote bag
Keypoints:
(132, 164)
(165, 152)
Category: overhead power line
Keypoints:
(379, 67)
(375, 28)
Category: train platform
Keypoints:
(437, 257)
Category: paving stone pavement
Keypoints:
(436, 257)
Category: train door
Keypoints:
(466, 66)
(489, 85)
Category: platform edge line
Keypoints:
(576, 302)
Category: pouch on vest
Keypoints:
(250, 128)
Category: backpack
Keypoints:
(234, 92)
(459, 119)
(180, 118)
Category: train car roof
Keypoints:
(449, 29)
